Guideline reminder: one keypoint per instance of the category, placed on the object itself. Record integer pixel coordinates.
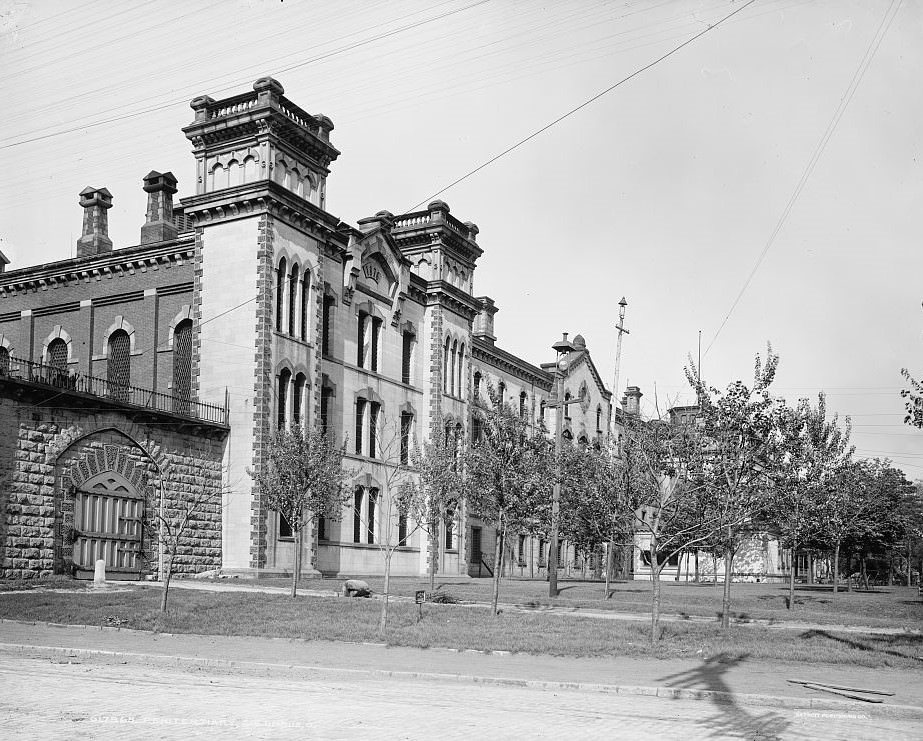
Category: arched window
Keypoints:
(249, 169)
(4, 360)
(357, 515)
(118, 370)
(57, 354)
(234, 173)
(477, 384)
(282, 397)
(292, 298)
(453, 358)
(541, 410)
(305, 302)
(599, 419)
(461, 372)
(523, 398)
(298, 399)
(280, 294)
(182, 365)
(445, 366)
(373, 501)
(501, 391)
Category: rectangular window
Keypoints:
(322, 528)
(402, 529)
(327, 338)
(406, 427)
(522, 550)
(360, 420)
(357, 516)
(362, 339)
(374, 410)
(407, 357)
(541, 553)
(475, 430)
(375, 341)
(305, 300)
(326, 394)
(373, 497)
(450, 531)
(285, 527)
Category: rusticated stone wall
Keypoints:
(46, 454)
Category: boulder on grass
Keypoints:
(356, 588)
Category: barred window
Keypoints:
(182, 362)
(4, 360)
(57, 354)
(118, 371)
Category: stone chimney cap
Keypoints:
(438, 206)
(324, 121)
(269, 83)
(155, 181)
(472, 229)
(579, 342)
(385, 215)
(91, 196)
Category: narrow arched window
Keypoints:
(477, 385)
(599, 419)
(501, 391)
(461, 366)
(305, 302)
(298, 400)
(57, 354)
(284, 378)
(292, 298)
(454, 359)
(182, 365)
(522, 404)
(445, 366)
(280, 294)
(118, 370)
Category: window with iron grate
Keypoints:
(57, 354)
(182, 365)
(4, 360)
(118, 370)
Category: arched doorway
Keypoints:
(108, 518)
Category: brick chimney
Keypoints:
(633, 396)
(158, 224)
(96, 202)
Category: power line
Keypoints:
(828, 132)
(583, 105)
(320, 57)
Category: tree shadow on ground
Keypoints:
(882, 644)
(730, 719)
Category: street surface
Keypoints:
(69, 698)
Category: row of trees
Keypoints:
(750, 463)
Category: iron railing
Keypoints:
(68, 380)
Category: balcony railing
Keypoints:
(69, 381)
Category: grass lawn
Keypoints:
(885, 606)
(235, 613)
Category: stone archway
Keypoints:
(104, 494)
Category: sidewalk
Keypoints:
(584, 612)
(742, 683)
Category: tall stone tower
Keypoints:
(264, 244)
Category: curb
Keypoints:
(309, 670)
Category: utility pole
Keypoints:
(620, 328)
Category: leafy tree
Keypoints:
(913, 400)
(439, 465)
(809, 448)
(302, 478)
(734, 475)
(509, 472)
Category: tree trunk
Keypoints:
(909, 565)
(864, 570)
(166, 582)
(848, 571)
(696, 565)
(726, 599)
(296, 561)
(810, 567)
(655, 600)
(610, 564)
(383, 619)
(498, 561)
(433, 552)
(791, 579)
(836, 569)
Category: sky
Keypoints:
(792, 131)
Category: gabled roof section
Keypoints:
(577, 358)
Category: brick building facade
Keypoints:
(132, 377)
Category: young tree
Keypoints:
(509, 473)
(174, 525)
(808, 450)
(735, 472)
(438, 462)
(302, 478)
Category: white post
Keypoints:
(99, 576)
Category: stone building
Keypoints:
(132, 378)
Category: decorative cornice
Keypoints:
(118, 263)
(506, 361)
